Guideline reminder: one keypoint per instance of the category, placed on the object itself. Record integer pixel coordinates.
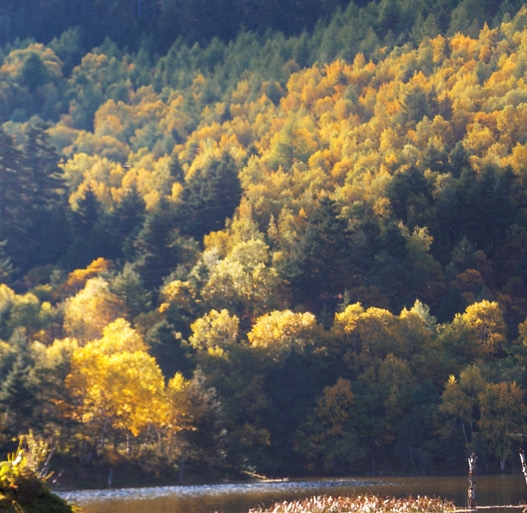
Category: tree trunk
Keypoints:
(524, 464)
(471, 495)
(181, 468)
(464, 431)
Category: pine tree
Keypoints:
(123, 224)
(48, 199)
(34, 73)
(206, 444)
(322, 272)
(410, 195)
(15, 193)
(128, 287)
(48, 186)
(17, 390)
(17, 398)
(210, 196)
(156, 250)
(84, 223)
(168, 349)
(176, 171)
(6, 266)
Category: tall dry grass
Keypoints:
(361, 504)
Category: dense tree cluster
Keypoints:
(282, 254)
(161, 22)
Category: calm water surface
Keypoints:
(239, 498)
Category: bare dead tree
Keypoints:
(524, 464)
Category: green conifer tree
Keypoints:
(321, 271)
(210, 196)
(15, 193)
(156, 248)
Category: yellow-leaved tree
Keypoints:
(215, 331)
(280, 332)
(483, 329)
(174, 422)
(244, 280)
(90, 310)
(460, 402)
(503, 413)
(118, 387)
(370, 334)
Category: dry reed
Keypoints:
(361, 504)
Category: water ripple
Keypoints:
(135, 494)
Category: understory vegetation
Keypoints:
(23, 477)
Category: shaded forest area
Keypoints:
(161, 22)
(157, 24)
(290, 253)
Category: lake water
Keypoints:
(239, 498)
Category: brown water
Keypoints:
(495, 491)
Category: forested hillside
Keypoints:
(159, 23)
(291, 252)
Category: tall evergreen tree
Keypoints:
(322, 271)
(6, 266)
(86, 243)
(129, 288)
(410, 195)
(156, 248)
(15, 193)
(208, 441)
(48, 199)
(17, 390)
(18, 399)
(168, 349)
(41, 159)
(211, 195)
(123, 224)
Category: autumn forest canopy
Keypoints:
(289, 240)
